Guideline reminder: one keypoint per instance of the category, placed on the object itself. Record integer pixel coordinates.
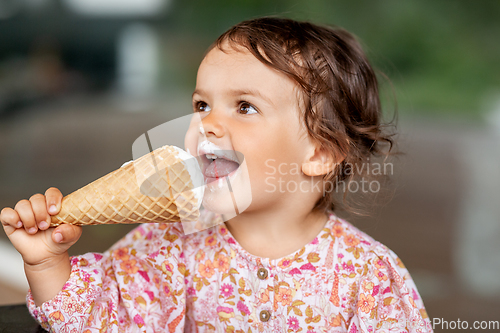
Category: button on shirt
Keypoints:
(157, 279)
(262, 273)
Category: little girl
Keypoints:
(301, 103)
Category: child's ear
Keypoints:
(319, 162)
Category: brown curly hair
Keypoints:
(339, 88)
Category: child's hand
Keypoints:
(27, 226)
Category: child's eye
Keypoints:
(246, 108)
(201, 107)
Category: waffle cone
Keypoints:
(165, 194)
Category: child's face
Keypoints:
(252, 109)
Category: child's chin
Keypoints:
(230, 195)
(220, 201)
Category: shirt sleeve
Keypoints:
(387, 298)
(137, 283)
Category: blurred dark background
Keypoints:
(80, 80)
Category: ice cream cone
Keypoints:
(157, 187)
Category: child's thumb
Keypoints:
(66, 234)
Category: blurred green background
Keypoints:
(441, 56)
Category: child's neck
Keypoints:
(276, 234)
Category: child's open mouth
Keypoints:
(218, 164)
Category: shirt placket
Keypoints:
(265, 275)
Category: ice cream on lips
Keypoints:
(217, 162)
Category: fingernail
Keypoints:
(52, 209)
(43, 225)
(19, 224)
(58, 237)
(32, 230)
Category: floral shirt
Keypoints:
(157, 279)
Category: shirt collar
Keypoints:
(281, 263)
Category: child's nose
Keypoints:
(213, 124)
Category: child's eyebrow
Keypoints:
(240, 92)
(251, 92)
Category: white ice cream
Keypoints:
(207, 147)
(124, 164)
(195, 173)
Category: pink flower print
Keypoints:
(70, 306)
(144, 275)
(315, 241)
(140, 231)
(366, 302)
(295, 271)
(138, 320)
(375, 290)
(414, 293)
(226, 290)
(167, 289)
(353, 329)
(206, 270)
(87, 278)
(225, 313)
(243, 308)
(284, 295)
(129, 266)
(293, 323)
(211, 241)
(222, 263)
(349, 268)
(191, 291)
(156, 280)
(380, 276)
(308, 266)
(151, 295)
(379, 263)
(264, 295)
(121, 254)
(351, 240)
(338, 230)
(284, 263)
(412, 302)
(224, 309)
(57, 317)
(167, 268)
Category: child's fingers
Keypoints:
(66, 234)
(9, 216)
(25, 211)
(53, 198)
(39, 206)
(10, 220)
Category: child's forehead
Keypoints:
(228, 55)
(241, 71)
